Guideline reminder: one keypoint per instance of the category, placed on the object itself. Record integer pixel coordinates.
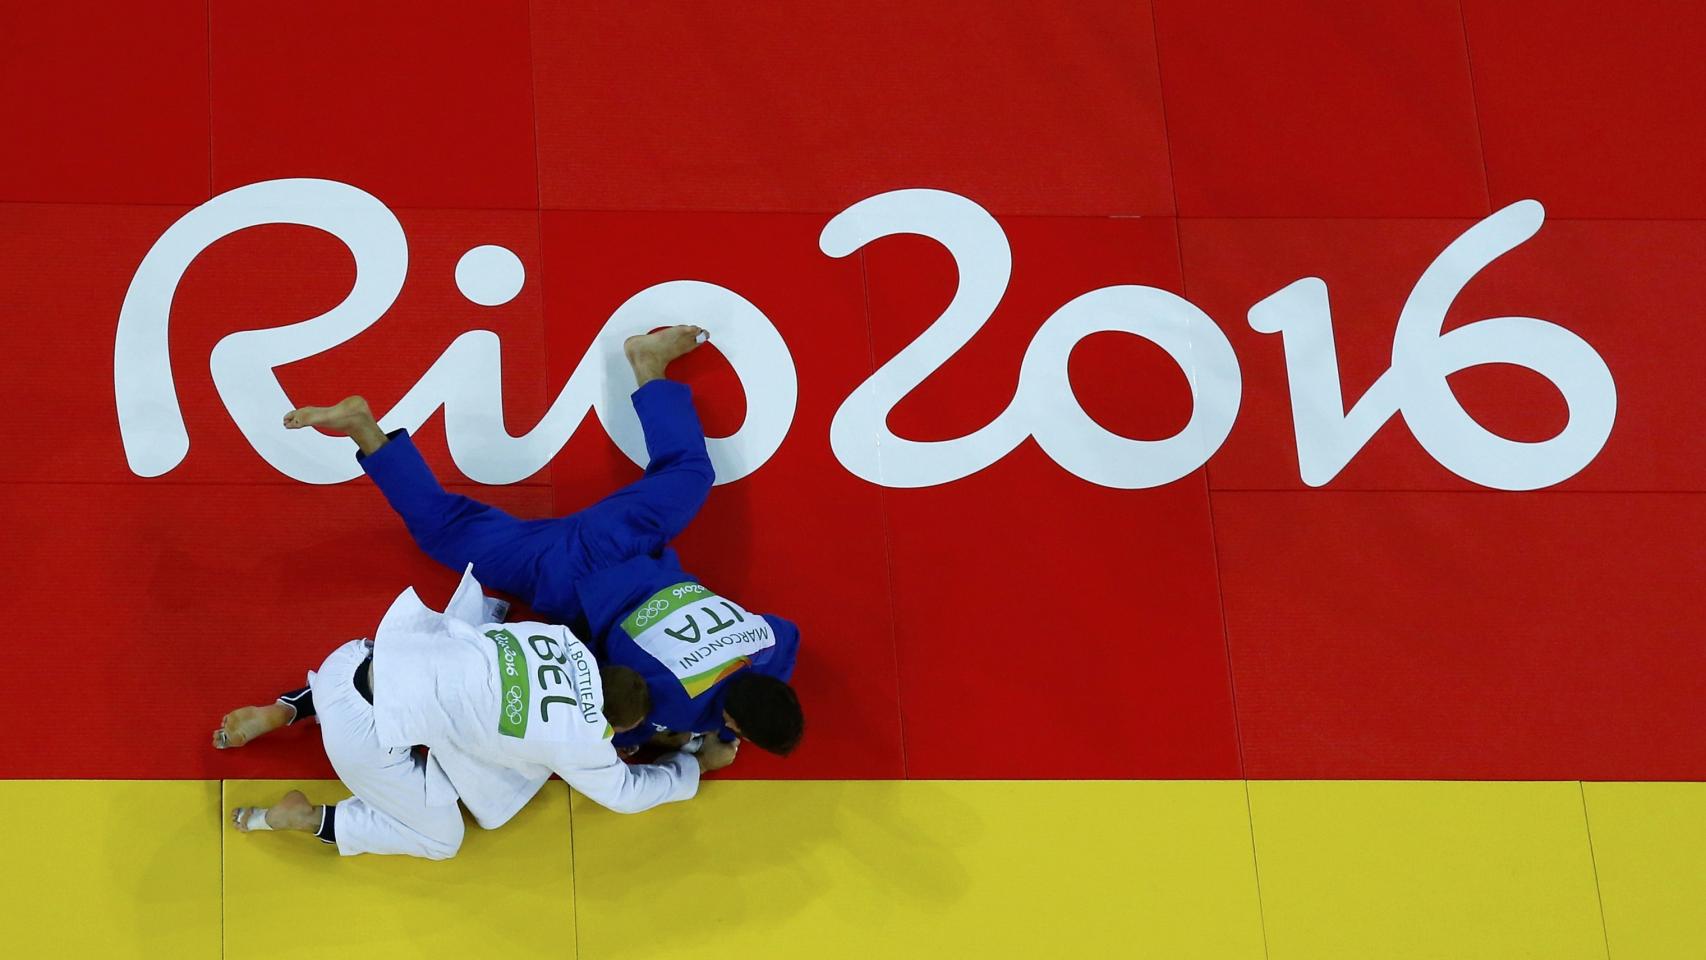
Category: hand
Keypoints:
(715, 754)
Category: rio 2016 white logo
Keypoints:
(466, 379)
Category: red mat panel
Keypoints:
(170, 603)
(1466, 635)
(1084, 620)
(1028, 107)
(421, 104)
(65, 269)
(105, 103)
(1592, 107)
(1327, 109)
(801, 537)
(1626, 288)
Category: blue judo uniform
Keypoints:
(599, 569)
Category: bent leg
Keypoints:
(364, 828)
(457, 530)
(392, 811)
(453, 530)
(644, 516)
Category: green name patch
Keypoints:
(514, 693)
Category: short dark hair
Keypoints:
(626, 699)
(766, 711)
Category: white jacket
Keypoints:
(502, 706)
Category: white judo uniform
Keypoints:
(500, 706)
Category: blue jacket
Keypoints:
(610, 595)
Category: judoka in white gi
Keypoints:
(500, 706)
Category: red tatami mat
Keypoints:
(1464, 636)
(1592, 106)
(654, 105)
(423, 104)
(1326, 109)
(104, 103)
(1041, 609)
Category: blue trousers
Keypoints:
(544, 562)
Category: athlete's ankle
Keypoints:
(368, 437)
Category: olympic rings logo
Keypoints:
(514, 707)
(650, 612)
(659, 606)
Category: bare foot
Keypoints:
(350, 417)
(246, 723)
(650, 353)
(349, 414)
(291, 812)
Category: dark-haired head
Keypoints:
(626, 699)
(764, 711)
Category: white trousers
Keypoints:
(390, 812)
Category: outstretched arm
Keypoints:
(631, 788)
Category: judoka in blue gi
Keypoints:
(607, 571)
